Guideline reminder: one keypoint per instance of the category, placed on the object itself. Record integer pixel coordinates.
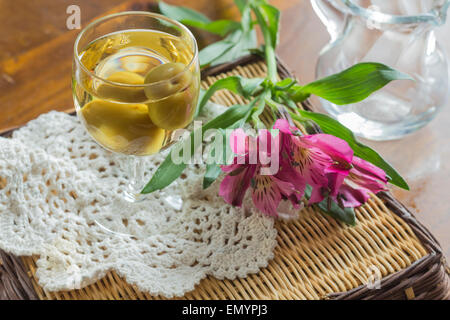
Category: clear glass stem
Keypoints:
(134, 167)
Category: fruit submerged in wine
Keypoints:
(141, 88)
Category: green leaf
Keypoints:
(242, 43)
(247, 42)
(200, 98)
(335, 128)
(236, 84)
(246, 18)
(241, 38)
(214, 51)
(212, 173)
(351, 85)
(220, 27)
(241, 4)
(270, 20)
(229, 117)
(213, 170)
(195, 19)
(285, 84)
(181, 13)
(168, 171)
(346, 215)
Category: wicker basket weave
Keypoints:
(316, 257)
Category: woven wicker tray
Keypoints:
(316, 257)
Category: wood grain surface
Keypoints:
(35, 70)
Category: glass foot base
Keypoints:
(131, 216)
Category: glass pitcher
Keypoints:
(400, 34)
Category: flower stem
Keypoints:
(269, 50)
(271, 63)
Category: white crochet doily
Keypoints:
(56, 182)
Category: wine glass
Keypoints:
(136, 80)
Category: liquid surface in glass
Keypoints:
(150, 90)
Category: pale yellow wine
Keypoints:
(151, 89)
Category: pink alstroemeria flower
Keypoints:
(324, 160)
(362, 179)
(267, 190)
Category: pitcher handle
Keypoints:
(332, 17)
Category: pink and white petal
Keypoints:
(268, 142)
(335, 181)
(289, 174)
(233, 187)
(266, 195)
(283, 125)
(316, 195)
(338, 169)
(352, 197)
(286, 188)
(231, 167)
(311, 164)
(335, 147)
(239, 141)
(367, 182)
(368, 168)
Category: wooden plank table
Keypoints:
(35, 70)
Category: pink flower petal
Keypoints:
(369, 169)
(367, 182)
(351, 197)
(335, 180)
(266, 195)
(336, 148)
(239, 141)
(230, 168)
(289, 174)
(367, 176)
(311, 164)
(286, 188)
(283, 126)
(316, 195)
(268, 142)
(233, 187)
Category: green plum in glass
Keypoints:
(136, 80)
